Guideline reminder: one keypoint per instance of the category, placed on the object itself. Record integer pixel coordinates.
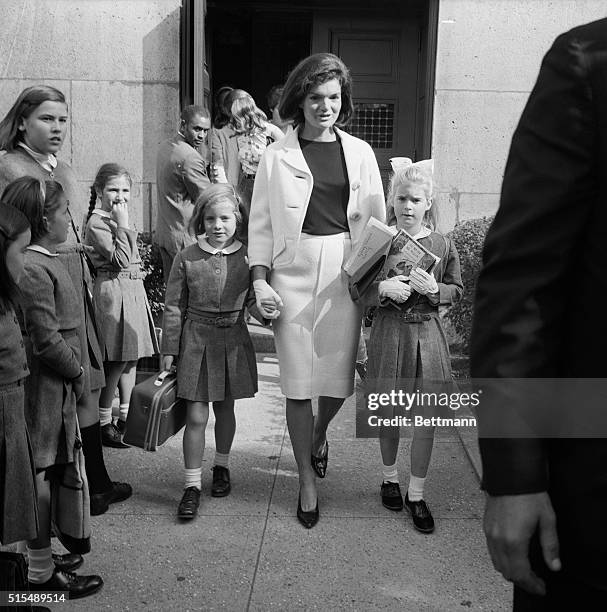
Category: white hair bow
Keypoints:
(400, 163)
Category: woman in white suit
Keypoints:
(314, 192)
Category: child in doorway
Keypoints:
(408, 346)
(123, 314)
(205, 336)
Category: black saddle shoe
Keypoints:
(100, 502)
(111, 436)
(188, 506)
(75, 585)
(309, 518)
(221, 481)
(68, 562)
(421, 515)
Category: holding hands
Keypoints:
(268, 301)
(167, 362)
(396, 288)
(422, 282)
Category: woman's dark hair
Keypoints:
(13, 223)
(221, 115)
(310, 72)
(105, 173)
(28, 101)
(219, 192)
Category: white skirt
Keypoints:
(318, 328)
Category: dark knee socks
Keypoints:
(99, 480)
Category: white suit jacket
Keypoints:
(282, 190)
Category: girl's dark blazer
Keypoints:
(541, 292)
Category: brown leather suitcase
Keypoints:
(155, 413)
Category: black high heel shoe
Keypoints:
(309, 518)
(320, 463)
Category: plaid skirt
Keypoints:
(409, 357)
(18, 501)
(124, 319)
(216, 363)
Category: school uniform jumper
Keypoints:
(126, 328)
(204, 323)
(51, 308)
(409, 346)
(19, 517)
(18, 163)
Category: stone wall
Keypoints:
(117, 62)
(489, 54)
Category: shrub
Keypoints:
(151, 263)
(469, 237)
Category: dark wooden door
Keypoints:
(383, 57)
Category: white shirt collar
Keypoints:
(47, 161)
(423, 232)
(102, 213)
(40, 249)
(205, 246)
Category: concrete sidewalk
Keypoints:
(248, 552)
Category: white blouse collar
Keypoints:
(423, 232)
(203, 243)
(48, 161)
(102, 213)
(40, 249)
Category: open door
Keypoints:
(193, 75)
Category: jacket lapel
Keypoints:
(293, 156)
(353, 157)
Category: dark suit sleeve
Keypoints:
(520, 311)
(195, 176)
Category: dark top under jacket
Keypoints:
(326, 213)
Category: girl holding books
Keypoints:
(408, 347)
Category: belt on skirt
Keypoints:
(218, 319)
(408, 317)
(124, 274)
(12, 385)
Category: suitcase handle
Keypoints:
(160, 378)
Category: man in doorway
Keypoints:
(181, 176)
(538, 316)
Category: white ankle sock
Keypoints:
(105, 415)
(40, 564)
(222, 459)
(22, 547)
(416, 488)
(124, 411)
(193, 478)
(390, 473)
